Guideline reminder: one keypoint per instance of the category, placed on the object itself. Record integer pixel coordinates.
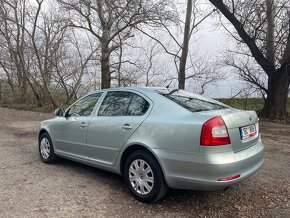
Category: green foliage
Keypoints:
(247, 103)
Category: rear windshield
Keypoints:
(192, 102)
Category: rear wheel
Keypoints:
(144, 177)
(46, 150)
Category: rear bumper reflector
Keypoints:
(229, 178)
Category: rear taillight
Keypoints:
(214, 132)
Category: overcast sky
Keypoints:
(214, 41)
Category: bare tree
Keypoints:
(73, 63)
(113, 22)
(263, 26)
(47, 34)
(204, 73)
(186, 36)
(179, 51)
(12, 39)
(151, 69)
(247, 70)
(139, 63)
(35, 44)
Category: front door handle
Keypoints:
(83, 124)
(127, 126)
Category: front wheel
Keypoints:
(46, 150)
(144, 177)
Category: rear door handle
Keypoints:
(83, 124)
(127, 126)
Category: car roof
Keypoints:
(136, 88)
(142, 89)
(150, 92)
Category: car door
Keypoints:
(70, 131)
(119, 115)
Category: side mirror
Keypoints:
(59, 112)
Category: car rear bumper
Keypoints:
(201, 171)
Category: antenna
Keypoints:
(169, 84)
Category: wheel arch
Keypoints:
(135, 147)
(42, 131)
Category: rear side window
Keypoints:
(123, 104)
(138, 106)
(192, 104)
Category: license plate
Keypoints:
(248, 131)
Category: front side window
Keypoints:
(123, 104)
(85, 106)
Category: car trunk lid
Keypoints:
(242, 127)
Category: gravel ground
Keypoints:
(30, 188)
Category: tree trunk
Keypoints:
(48, 94)
(105, 67)
(270, 46)
(182, 65)
(276, 102)
(35, 93)
(0, 90)
(23, 88)
(278, 80)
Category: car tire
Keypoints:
(144, 177)
(46, 150)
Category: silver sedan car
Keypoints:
(156, 138)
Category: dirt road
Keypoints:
(30, 188)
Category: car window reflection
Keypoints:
(85, 106)
(123, 104)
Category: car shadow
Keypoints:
(87, 169)
(118, 186)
